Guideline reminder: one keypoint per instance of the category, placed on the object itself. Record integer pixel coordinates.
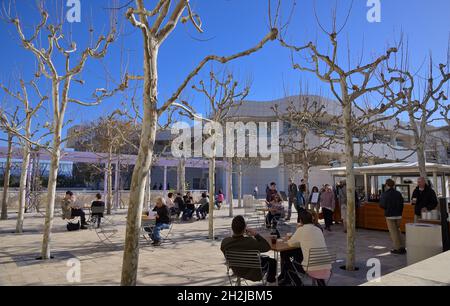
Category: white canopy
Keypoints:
(393, 168)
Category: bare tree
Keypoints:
(60, 99)
(349, 86)
(306, 115)
(422, 101)
(7, 119)
(29, 109)
(222, 96)
(155, 32)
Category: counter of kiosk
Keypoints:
(370, 216)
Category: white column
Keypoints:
(116, 185)
(165, 181)
(229, 185)
(105, 187)
(366, 186)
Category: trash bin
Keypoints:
(422, 241)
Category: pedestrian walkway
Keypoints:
(187, 258)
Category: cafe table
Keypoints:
(277, 248)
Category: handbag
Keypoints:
(73, 226)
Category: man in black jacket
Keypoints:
(252, 242)
(392, 202)
(424, 198)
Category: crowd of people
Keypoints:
(319, 203)
(183, 207)
(311, 206)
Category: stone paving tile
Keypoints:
(186, 258)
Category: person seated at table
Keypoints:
(271, 191)
(276, 209)
(219, 199)
(179, 204)
(97, 203)
(252, 241)
(189, 208)
(171, 204)
(308, 236)
(76, 208)
(203, 210)
(162, 220)
(290, 262)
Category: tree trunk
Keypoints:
(182, 176)
(305, 169)
(350, 183)
(4, 214)
(23, 186)
(51, 194)
(239, 186)
(58, 120)
(212, 191)
(142, 167)
(421, 159)
(230, 186)
(109, 194)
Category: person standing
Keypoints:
(292, 198)
(424, 198)
(314, 199)
(391, 201)
(327, 202)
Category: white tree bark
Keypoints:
(239, 185)
(350, 180)
(212, 192)
(23, 187)
(182, 176)
(142, 166)
(50, 205)
(109, 194)
(230, 186)
(4, 214)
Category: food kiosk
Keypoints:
(370, 184)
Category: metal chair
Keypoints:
(317, 257)
(147, 229)
(246, 260)
(96, 214)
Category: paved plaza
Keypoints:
(187, 257)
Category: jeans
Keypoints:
(269, 265)
(328, 217)
(79, 213)
(157, 229)
(187, 214)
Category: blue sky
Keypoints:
(230, 26)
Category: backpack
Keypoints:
(73, 226)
